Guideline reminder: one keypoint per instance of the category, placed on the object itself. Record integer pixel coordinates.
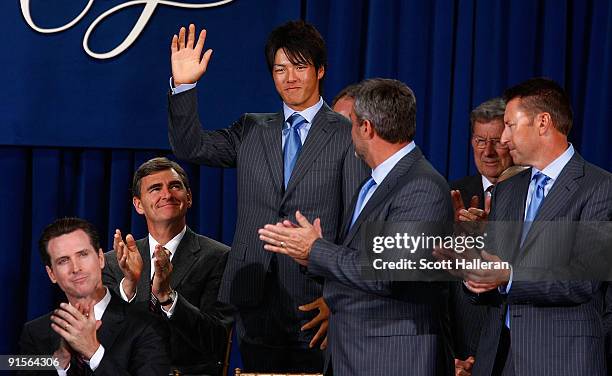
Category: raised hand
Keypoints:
(163, 271)
(188, 64)
(129, 260)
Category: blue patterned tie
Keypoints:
(537, 196)
(293, 143)
(363, 193)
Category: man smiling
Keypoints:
(298, 158)
(96, 331)
(174, 269)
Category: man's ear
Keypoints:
(368, 129)
(137, 205)
(51, 274)
(544, 122)
(101, 258)
(321, 72)
(189, 198)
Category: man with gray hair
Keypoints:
(490, 156)
(377, 327)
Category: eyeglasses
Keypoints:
(481, 143)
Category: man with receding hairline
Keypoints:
(541, 327)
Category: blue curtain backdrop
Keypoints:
(454, 55)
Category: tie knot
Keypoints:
(541, 179)
(296, 121)
(369, 184)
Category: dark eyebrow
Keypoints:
(156, 185)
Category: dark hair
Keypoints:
(156, 165)
(301, 42)
(390, 106)
(487, 111)
(348, 91)
(63, 226)
(544, 95)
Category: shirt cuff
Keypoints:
(181, 88)
(124, 295)
(170, 310)
(96, 358)
(505, 289)
(61, 371)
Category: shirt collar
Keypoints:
(555, 167)
(485, 183)
(307, 114)
(171, 246)
(382, 170)
(100, 306)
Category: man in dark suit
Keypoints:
(491, 158)
(95, 330)
(542, 327)
(378, 327)
(298, 158)
(174, 269)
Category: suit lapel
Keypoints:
(321, 132)
(185, 257)
(272, 143)
(144, 284)
(111, 321)
(557, 198)
(381, 193)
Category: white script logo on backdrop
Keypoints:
(147, 12)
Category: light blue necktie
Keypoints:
(363, 193)
(537, 196)
(293, 143)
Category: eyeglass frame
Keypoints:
(481, 143)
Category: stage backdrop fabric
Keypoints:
(75, 127)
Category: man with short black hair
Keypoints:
(176, 271)
(300, 157)
(95, 331)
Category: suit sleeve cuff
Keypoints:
(505, 289)
(123, 294)
(181, 88)
(170, 310)
(95, 360)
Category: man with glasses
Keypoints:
(490, 156)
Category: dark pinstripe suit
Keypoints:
(266, 288)
(466, 318)
(556, 327)
(386, 328)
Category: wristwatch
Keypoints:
(170, 300)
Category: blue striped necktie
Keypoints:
(293, 143)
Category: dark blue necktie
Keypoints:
(293, 143)
(363, 193)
